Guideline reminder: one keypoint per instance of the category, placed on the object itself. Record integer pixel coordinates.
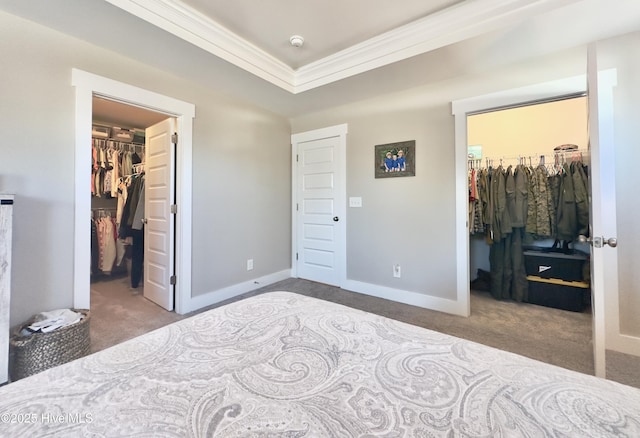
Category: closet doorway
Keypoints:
(87, 85)
(132, 193)
(539, 269)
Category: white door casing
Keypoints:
(319, 205)
(460, 109)
(86, 85)
(159, 226)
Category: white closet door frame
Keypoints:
(460, 109)
(86, 85)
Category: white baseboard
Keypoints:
(407, 297)
(216, 296)
(624, 344)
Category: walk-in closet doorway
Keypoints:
(132, 228)
(119, 159)
(542, 268)
(181, 114)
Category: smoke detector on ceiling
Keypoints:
(296, 41)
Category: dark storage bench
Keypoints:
(556, 278)
(566, 295)
(567, 265)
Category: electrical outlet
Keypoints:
(397, 271)
(249, 264)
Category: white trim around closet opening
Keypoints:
(460, 110)
(88, 84)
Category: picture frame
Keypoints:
(395, 159)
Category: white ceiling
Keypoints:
(235, 51)
(328, 26)
(345, 38)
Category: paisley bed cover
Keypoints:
(285, 365)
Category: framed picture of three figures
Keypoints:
(395, 159)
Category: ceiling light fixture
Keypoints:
(296, 41)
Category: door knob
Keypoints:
(336, 218)
(598, 242)
(144, 221)
(585, 239)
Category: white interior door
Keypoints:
(319, 205)
(604, 261)
(160, 225)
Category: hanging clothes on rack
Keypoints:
(104, 239)
(541, 219)
(508, 275)
(479, 217)
(581, 187)
(129, 227)
(516, 205)
(112, 160)
(107, 241)
(571, 195)
(95, 249)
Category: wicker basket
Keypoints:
(40, 351)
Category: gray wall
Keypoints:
(403, 220)
(241, 171)
(410, 220)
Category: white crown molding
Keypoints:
(457, 23)
(185, 22)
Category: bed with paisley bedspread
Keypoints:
(285, 365)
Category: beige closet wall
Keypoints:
(529, 131)
(241, 168)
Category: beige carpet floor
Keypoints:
(118, 313)
(554, 336)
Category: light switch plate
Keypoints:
(355, 201)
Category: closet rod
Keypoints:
(536, 155)
(118, 143)
(529, 103)
(122, 143)
(549, 158)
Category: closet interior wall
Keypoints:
(523, 135)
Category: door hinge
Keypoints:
(174, 209)
(174, 138)
(296, 157)
(296, 256)
(172, 280)
(297, 207)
